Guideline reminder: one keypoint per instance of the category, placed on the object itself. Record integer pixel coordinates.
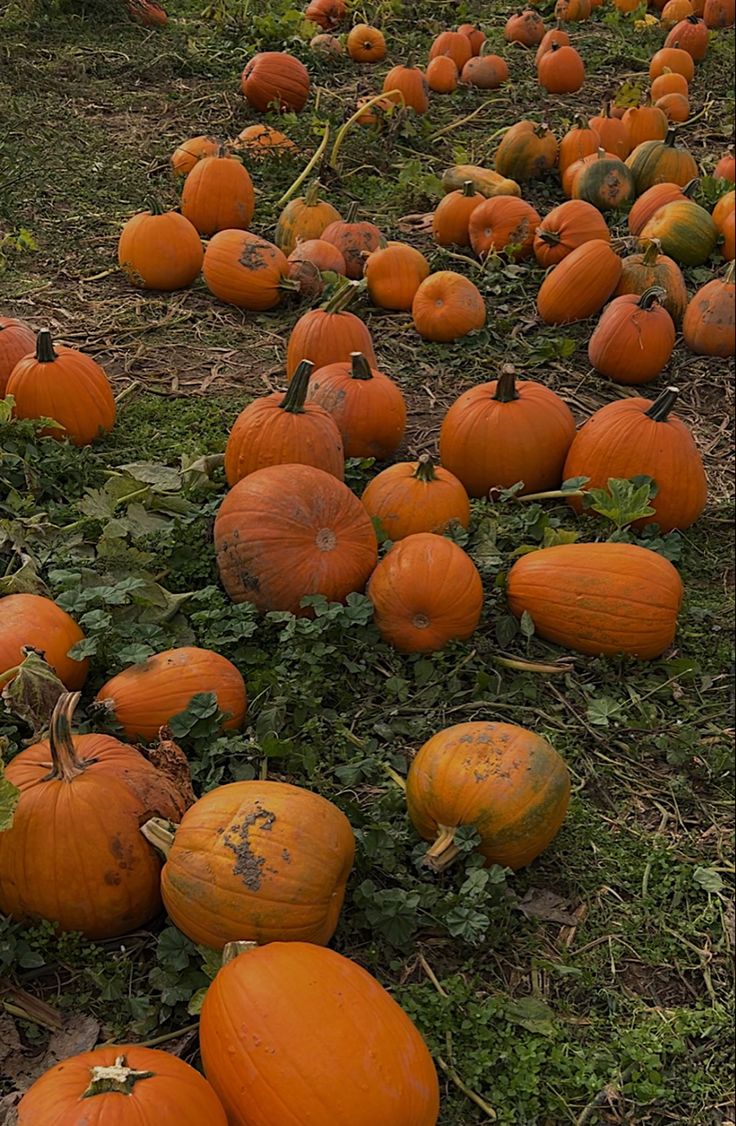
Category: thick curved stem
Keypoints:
(444, 851)
(296, 394)
(390, 95)
(117, 1078)
(231, 950)
(651, 252)
(352, 211)
(468, 188)
(343, 296)
(154, 205)
(160, 834)
(506, 386)
(45, 353)
(425, 469)
(662, 405)
(649, 296)
(359, 366)
(65, 765)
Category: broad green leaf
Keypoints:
(532, 1014)
(9, 795)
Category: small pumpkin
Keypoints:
(307, 262)
(426, 592)
(674, 11)
(263, 140)
(572, 11)
(283, 429)
(555, 36)
(725, 207)
(328, 46)
(728, 232)
(526, 28)
(709, 324)
(245, 270)
(483, 180)
(565, 228)
(475, 34)
(375, 113)
(190, 152)
(218, 195)
(442, 75)
(485, 72)
(327, 14)
(719, 13)
(355, 239)
(329, 334)
(410, 85)
(675, 107)
(416, 496)
(501, 223)
(65, 385)
(641, 271)
(393, 274)
(454, 45)
(447, 306)
(685, 231)
(32, 621)
(654, 198)
(305, 217)
(613, 133)
(578, 142)
(451, 218)
(160, 250)
(366, 44)
(17, 340)
(527, 152)
(561, 70)
(691, 35)
(661, 162)
(275, 80)
(634, 339)
(669, 82)
(606, 182)
(673, 59)
(367, 407)
(580, 284)
(645, 123)
(725, 169)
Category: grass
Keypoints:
(600, 977)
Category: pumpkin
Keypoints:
(719, 13)
(274, 80)
(527, 151)
(634, 339)
(725, 207)
(527, 28)
(572, 11)
(674, 11)
(685, 230)
(613, 133)
(30, 620)
(246, 270)
(442, 75)
(319, 1040)
(501, 223)
(549, 39)
(157, 1089)
(393, 274)
(561, 70)
(626, 6)
(606, 182)
(410, 85)
(641, 438)
(505, 782)
(263, 140)
(672, 59)
(366, 44)
(639, 272)
(160, 250)
(74, 854)
(570, 175)
(426, 592)
(282, 429)
(308, 260)
(354, 239)
(366, 405)
(328, 46)
(709, 324)
(265, 861)
(190, 152)
(16, 341)
(375, 112)
(675, 107)
(728, 231)
(447, 306)
(329, 335)
(669, 82)
(416, 496)
(305, 217)
(645, 123)
(691, 35)
(484, 181)
(565, 228)
(289, 531)
(452, 216)
(454, 45)
(725, 169)
(485, 72)
(147, 13)
(500, 433)
(661, 162)
(474, 34)
(327, 14)
(580, 284)
(654, 198)
(218, 195)
(598, 598)
(578, 142)
(147, 696)
(65, 385)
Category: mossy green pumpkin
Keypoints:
(606, 183)
(661, 162)
(685, 231)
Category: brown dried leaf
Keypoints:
(539, 903)
(170, 760)
(33, 692)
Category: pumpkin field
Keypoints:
(366, 562)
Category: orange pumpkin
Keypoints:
(329, 335)
(527, 28)
(304, 218)
(367, 407)
(725, 207)
(442, 75)
(376, 111)
(672, 59)
(613, 133)
(728, 233)
(571, 173)
(691, 35)
(246, 270)
(561, 70)
(16, 341)
(653, 199)
(580, 284)
(718, 13)
(725, 169)
(411, 86)
(218, 195)
(565, 228)
(634, 339)
(447, 306)
(501, 223)
(639, 272)
(645, 123)
(290, 531)
(709, 324)
(503, 432)
(426, 592)
(669, 82)
(474, 34)
(572, 11)
(416, 496)
(160, 250)
(30, 620)
(675, 107)
(393, 274)
(274, 80)
(603, 180)
(307, 262)
(327, 14)
(599, 598)
(555, 36)
(674, 11)
(505, 782)
(355, 239)
(263, 140)
(485, 72)
(452, 216)
(366, 44)
(454, 45)
(108, 882)
(190, 152)
(578, 142)
(67, 386)
(527, 152)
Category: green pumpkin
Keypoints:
(661, 162)
(606, 183)
(685, 231)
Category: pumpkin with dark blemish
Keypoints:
(354, 239)
(246, 270)
(367, 407)
(528, 151)
(218, 194)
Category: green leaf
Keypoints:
(623, 501)
(708, 879)
(9, 795)
(194, 1007)
(526, 625)
(532, 1014)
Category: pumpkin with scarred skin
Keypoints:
(650, 267)
(305, 217)
(501, 223)
(709, 324)
(367, 407)
(526, 28)
(245, 270)
(485, 72)
(527, 152)
(355, 239)
(634, 339)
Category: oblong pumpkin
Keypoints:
(30, 620)
(367, 407)
(580, 285)
(634, 339)
(410, 85)
(673, 59)
(275, 80)
(661, 162)
(246, 270)
(649, 203)
(484, 181)
(565, 228)
(416, 496)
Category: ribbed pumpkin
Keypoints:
(673, 59)
(641, 438)
(263, 140)
(367, 407)
(246, 270)
(725, 207)
(634, 339)
(121, 1084)
(561, 70)
(654, 198)
(614, 135)
(74, 854)
(719, 13)
(454, 45)
(160, 250)
(366, 44)
(599, 598)
(527, 152)
(265, 861)
(555, 35)
(411, 84)
(661, 162)
(578, 142)
(442, 75)
(571, 173)
(65, 385)
(393, 274)
(505, 782)
(685, 230)
(426, 592)
(304, 218)
(527, 27)
(580, 285)
(669, 82)
(146, 696)
(30, 620)
(329, 335)
(447, 306)
(572, 11)
(282, 429)
(674, 11)
(499, 433)
(218, 195)
(274, 80)
(326, 13)
(709, 324)
(691, 35)
(319, 1040)
(485, 72)
(565, 228)
(416, 496)
(355, 239)
(649, 268)
(504, 223)
(605, 182)
(645, 123)
(16, 341)
(474, 34)
(290, 531)
(675, 107)
(190, 152)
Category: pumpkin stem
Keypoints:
(662, 406)
(690, 187)
(671, 137)
(65, 765)
(296, 393)
(359, 366)
(117, 1078)
(311, 194)
(425, 469)
(652, 252)
(729, 276)
(45, 353)
(154, 205)
(579, 122)
(468, 188)
(552, 238)
(506, 386)
(600, 153)
(343, 296)
(649, 296)
(352, 211)
(232, 949)
(441, 854)
(555, 45)
(160, 834)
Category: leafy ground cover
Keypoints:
(594, 986)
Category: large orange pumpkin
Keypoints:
(245, 270)
(30, 620)
(425, 592)
(416, 496)
(273, 79)
(673, 59)
(447, 306)
(74, 854)
(691, 35)
(393, 274)
(367, 407)
(329, 335)
(561, 70)
(634, 339)
(218, 195)
(527, 28)
(305, 217)
(410, 85)
(452, 216)
(645, 123)
(580, 285)
(290, 531)
(613, 133)
(16, 341)
(565, 228)
(160, 250)
(442, 75)
(293, 1032)
(709, 324)
(527, 152)
(499, 433)
(355, 239)
(506, 782)
(599, 598)
(504, 223)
